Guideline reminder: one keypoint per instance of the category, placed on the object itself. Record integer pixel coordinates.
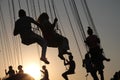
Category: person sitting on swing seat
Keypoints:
(71, 69)
(87, 63)
(96, 53)
(93, 43)
(24, 28)
(52, 37)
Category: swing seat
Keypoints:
(28, 38)
(55, 41)
(53, 44)
(27, 41)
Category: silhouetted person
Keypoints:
(93, 43)
(20, 69)
(10, 72)
(53, 39)
(23, 27)
(97, 57)
(87, 63)
(45, 72)
(71, 69)
(119, 74)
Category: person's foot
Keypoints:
(108, 60)
(44, 60)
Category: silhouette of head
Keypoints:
(44, 67)
(89, 31)
(10, 67)
(42, 17)
(22, 13)
(19, 67)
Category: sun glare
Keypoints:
(33, 70)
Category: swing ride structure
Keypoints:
(14, 53)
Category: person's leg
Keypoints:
(64, 46)
(64, 75)
(42, 42)
(101, 74)
(94, 75)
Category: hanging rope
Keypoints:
(19, 4)
(50, 10)
(53, 6)
(14, 43)
(17, 51)
(6, 43)
(78, 20)
(28, 7)
(38, 1)
(45, 6)
(72, 30)
(88, 16)
(35, 28)
(2, 48)
(11, 25)
(19, 43)
(34, 9)
(76, 14)
(55, 12)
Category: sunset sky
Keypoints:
(106, 17)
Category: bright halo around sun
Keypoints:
(34, 71)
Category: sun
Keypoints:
(33, 70)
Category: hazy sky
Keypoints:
(106, 17)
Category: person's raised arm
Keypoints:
(42, 71)
(6, 72)
(55, 21)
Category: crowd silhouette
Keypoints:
(17, 75)
(93, 61)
